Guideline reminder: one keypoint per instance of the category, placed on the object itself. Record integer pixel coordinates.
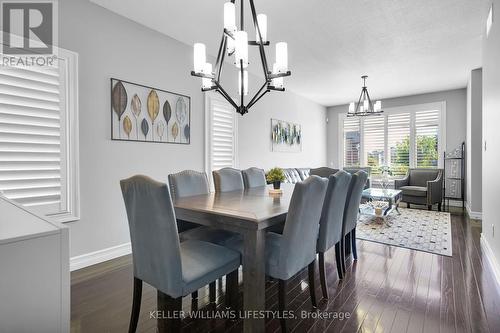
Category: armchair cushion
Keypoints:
(414, 191)
(420, 177)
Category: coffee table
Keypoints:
(392, 197)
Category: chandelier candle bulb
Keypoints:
(365, 104)
(207, 69)
(245, 83)
(200, 57)
(282, 56)
(277, 82)
(378, 106)
(241, 48)
(351, 107)
(262, 23)
(230, 16)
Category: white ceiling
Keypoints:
(405, 46)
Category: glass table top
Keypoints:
(380, 193)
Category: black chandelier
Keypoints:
(235, 42)
(364, 106)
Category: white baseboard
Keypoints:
(97, 257)
(491, 259)
(473, 215)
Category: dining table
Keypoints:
(249, 212)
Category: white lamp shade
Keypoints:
(229, 16)
(207, 83)
(282, 56)
(277, 82)
(351, 107)
(241, 48)
(262, 22)
(245, 82)
(200, 57)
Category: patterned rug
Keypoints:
(421, 230)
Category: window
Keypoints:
(352, 142)
(38, 137)
(221, 133)
(401, 138)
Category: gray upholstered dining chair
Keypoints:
(254, 177)
(330, 225)
(295, 249)
(350, 220)
(324, 172)
(175, 269)
(228, 179)
(190, 183)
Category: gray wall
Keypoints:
(491, 133)
(474, 142)
(112, 46)
(456, 101)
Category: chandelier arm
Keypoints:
(356, 110)
(242, 15)
(256, 94)
(225, 94)
(220, 55)
(261, 46)
(219, 68)
(369, 101)
(261, 95)
(242, 84)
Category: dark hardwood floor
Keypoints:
(389, 289)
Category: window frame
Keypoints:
(412, 110)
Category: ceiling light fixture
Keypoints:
(364, 107)
(235, 42)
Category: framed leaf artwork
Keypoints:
(147, 114)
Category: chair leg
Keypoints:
(429, 207)
(322, 275)
(407, 205)
(136, 305)
(439, 206)
(338, 259)
(347, 243)
(312, 287)
(282, 303)
(342, 255)
(353, 245)
(169, 309)
(232, 290)
(211, 292)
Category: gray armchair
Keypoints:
(422, 187)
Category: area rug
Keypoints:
(421, 230)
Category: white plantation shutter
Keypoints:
(374, 142)
(398, 143)
(352, 142)
(401, 138)
(427, 133)
(35, 122)
(30, 145)
(222, 134)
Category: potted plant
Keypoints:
(275, 176)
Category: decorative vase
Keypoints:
(276, 185)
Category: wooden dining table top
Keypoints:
(253, 207)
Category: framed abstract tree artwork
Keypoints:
(285, 136)
(147, 114)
